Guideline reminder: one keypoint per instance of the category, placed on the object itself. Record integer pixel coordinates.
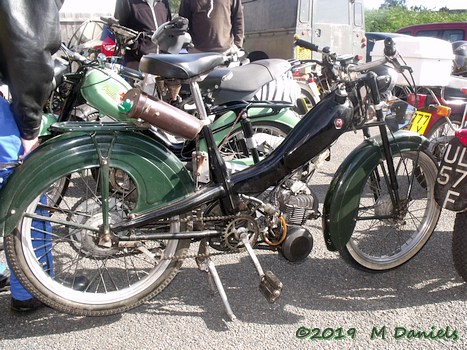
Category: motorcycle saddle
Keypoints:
(184, 66)
(248, 79)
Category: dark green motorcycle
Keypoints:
(132, 207)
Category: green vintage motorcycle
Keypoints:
(93, 90)
(132, 208)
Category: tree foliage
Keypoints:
(393, 3)
(174, 5)
(391, 18)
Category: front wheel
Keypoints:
(459, 244)
(388, 234)
(60, 254)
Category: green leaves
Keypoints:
(392, 18)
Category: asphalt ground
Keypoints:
(322, 295)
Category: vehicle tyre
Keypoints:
(439, 135)
(383, 240)
(459, 244)
(57, 243)
(267, 134)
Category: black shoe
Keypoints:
(80, 283)
(24, 306)
(4, 281)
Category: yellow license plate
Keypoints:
(420, 122)
(302, 53)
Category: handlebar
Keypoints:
(124, 35)
(390, 55)
(74, 56)
(307, 45)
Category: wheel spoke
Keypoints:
(397, 235)
(61, 244)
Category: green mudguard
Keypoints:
(159, 174)
(343, 197)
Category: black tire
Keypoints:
(459, 244)
(267, 134)
(50, 259)
(307, 98)
(401, 92)
(381, 240)
(439, 135)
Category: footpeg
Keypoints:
(270, 286)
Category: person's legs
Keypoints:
(10, 149)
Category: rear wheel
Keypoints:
(439, 135)
(459, 244)
(383, 237)
(267, 135)
(61, 255)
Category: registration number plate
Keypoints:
(451, 183)
(420, 122)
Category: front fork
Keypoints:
(372, 83)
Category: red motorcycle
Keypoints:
(439, 112)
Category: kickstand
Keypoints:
(206, 264)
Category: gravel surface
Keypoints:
(323, 292)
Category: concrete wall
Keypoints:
(70, 21)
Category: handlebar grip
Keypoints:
(389, 47)
(306, 45)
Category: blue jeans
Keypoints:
(42, 245)
(10, 149)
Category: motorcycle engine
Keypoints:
(297, 203)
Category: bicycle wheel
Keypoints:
(387, 235)
(459, 244)
(60, 255)
(267, 135)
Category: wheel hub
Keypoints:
(384, 207)
(87, 241)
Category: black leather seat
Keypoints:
(183, 66)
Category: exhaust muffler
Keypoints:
(138, 104)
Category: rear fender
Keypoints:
(343, 197)
(158, 173)
(47, 120)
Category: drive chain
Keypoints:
(204, 255)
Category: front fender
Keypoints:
(222, 126)
(158, 173)
(343, 197)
